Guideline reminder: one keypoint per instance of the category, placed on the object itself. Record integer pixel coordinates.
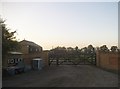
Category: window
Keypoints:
(30, 49)
(36, 49)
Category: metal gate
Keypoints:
(74, 58)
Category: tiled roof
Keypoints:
(29, 43)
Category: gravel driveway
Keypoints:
(64, 76)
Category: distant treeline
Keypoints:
(77, 53)
(88, 49)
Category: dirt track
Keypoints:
(64, 76)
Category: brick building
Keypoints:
(30, 51)
(28, 47)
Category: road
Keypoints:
(64, 76)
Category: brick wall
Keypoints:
(24, 49)
(107, 60)
(28, 57)
(43, 55)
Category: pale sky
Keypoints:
(52, 24)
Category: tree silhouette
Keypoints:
(90, 49)
(76, 48)
(114, 48)
(104, 48)
(9, 42)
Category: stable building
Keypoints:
(29, 47)
(30, 51)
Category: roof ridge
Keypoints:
(31, 42)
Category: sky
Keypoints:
(69, 24)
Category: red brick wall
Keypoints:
(24, 49)
(108, 60)
(28, 57)
(43, 55)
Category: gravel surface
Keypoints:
(64, 76)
